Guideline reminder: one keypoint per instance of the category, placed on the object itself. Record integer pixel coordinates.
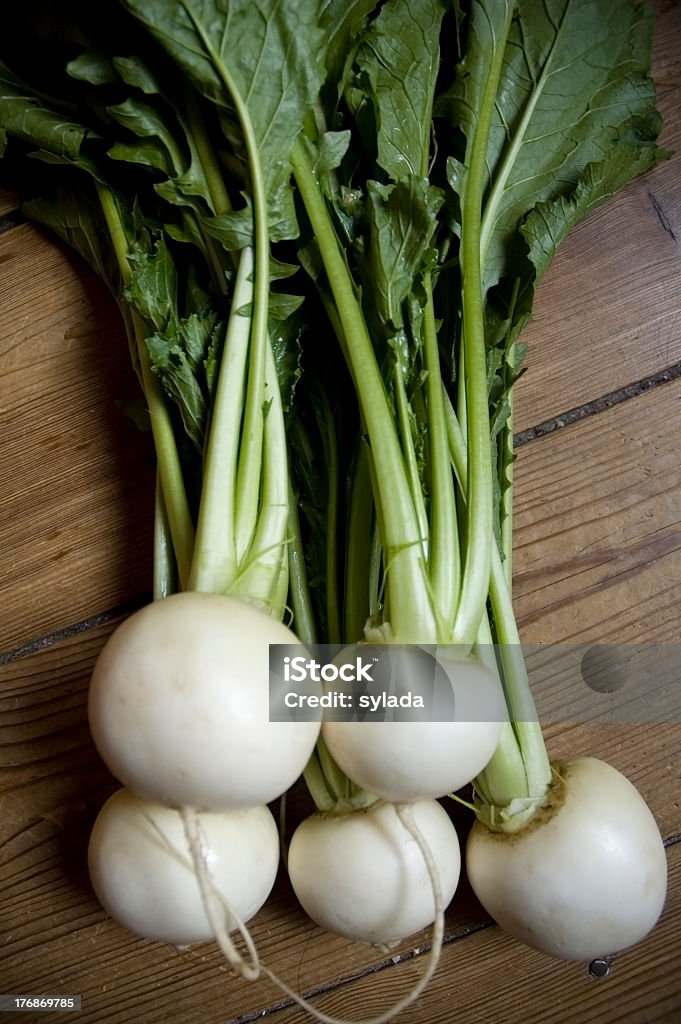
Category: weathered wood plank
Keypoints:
(77, 477)
(597, 553)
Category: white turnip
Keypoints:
(362, 874)
(142, 871)
(407, 761)
(586, 877)
(179, 705)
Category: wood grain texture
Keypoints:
(77, 494)
(598, 526)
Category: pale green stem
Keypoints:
(248, 473)
(413, 618)
(214, 566)
(165, 567)
(317, 786)
(526, 734)
(505, 777)
(480, 504)
(263, 572)
(301, 603)
(443, 550)
(330, 447)
(356, 601)
(410, 460)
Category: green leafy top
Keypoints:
(575, 93)
(258, 61)
(420, 160)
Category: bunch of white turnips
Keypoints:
(179, 712)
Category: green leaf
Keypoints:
(153, 289)
(342, 21)
(93, 67)
(135, 72)
(285, 337)
(27, 117)
(77, 219)
(282, 306)
(575, 89)
(169, 134)
(332, 148)
(184, 351)
(398, 62)
(548, 223)
(179, 358)
(233, 230)
(402, 221)
(261, 57)
(141, 118)
(148, 152)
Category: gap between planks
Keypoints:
(57, 636)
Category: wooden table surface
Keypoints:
(597, 558)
